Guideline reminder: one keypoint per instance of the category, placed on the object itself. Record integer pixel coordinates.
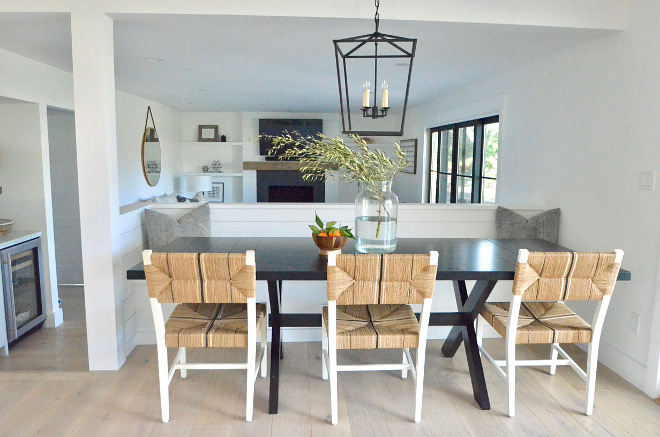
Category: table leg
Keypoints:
(279, 291)
(275, 323)
(455, 336)
(470, 306)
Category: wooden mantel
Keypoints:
(275, 165)
(272, 165)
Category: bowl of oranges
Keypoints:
(329, 237)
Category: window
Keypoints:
(464, 162)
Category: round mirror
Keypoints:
(150, 151)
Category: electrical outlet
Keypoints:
(647, 180)
(635, 322)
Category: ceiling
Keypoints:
(252, 63)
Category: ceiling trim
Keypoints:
(586, 14)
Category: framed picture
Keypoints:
(207, 132)
(217, 193)
(410, 147)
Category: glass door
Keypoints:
(23, 290)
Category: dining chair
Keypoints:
(369, 299)
(537, 313)
(215, 293)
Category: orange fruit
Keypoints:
(335, 233)
(322, 234)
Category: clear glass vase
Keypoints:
(376, 211)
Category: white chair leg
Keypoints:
(249, 396)
(419, 383)
(480, 331)
(592, 366)
(183, 360)
(324, 348)
(263, 371)
(164, 381)
(553, 356)
(404, 372)
(511, 377)
(332, 374)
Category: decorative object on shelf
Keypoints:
(223, 139)
(207, 133)
(5, 225)
(216, 167)
(199, 184)
(205, 169)
(329, 238)
(151, 162)
(394, 51)
(217, 193)
(376, 205)
(410, 148)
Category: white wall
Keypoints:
(576, 131)
(25, 186)
(64, 189)
(131, 114)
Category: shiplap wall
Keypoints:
(282, 220)
(133, 241)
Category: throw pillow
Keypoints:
(163, 229)
(510, 224)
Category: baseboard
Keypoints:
(622, 364)
(54, 319)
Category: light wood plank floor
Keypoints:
(46, 390)
(371, 404)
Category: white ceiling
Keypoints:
(252, 63)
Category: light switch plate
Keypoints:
(647, 180)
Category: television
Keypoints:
(279, 126)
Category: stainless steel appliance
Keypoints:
(22, 279)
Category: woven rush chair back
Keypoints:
(200, 278)
(559, 276)
(381, 279)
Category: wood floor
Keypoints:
(43, 399)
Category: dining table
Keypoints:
(281, 259)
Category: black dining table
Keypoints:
(485, 261)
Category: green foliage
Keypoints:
(491, 146)
(328, 227)
(323, 156)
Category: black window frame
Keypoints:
(477, 175)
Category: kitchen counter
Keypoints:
(12, 238)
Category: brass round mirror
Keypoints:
(150, 151)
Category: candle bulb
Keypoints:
(385, 100)
(366, 94)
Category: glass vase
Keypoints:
(376, 211)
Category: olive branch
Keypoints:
(322, 157)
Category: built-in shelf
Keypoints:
(216, 175)
(212, 143)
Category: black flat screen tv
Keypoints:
(279, 126)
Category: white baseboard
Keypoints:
(54, 319)
(625, 366)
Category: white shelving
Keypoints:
(217, 175)
(212, 143)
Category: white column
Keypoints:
(54, 315)
(96, 139)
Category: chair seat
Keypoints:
(540, 323)
(375, 326)
(210, 325)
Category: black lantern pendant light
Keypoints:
(365, 48)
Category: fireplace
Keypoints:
(287, 186)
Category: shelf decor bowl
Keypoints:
(5, 225)
(329, 244)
